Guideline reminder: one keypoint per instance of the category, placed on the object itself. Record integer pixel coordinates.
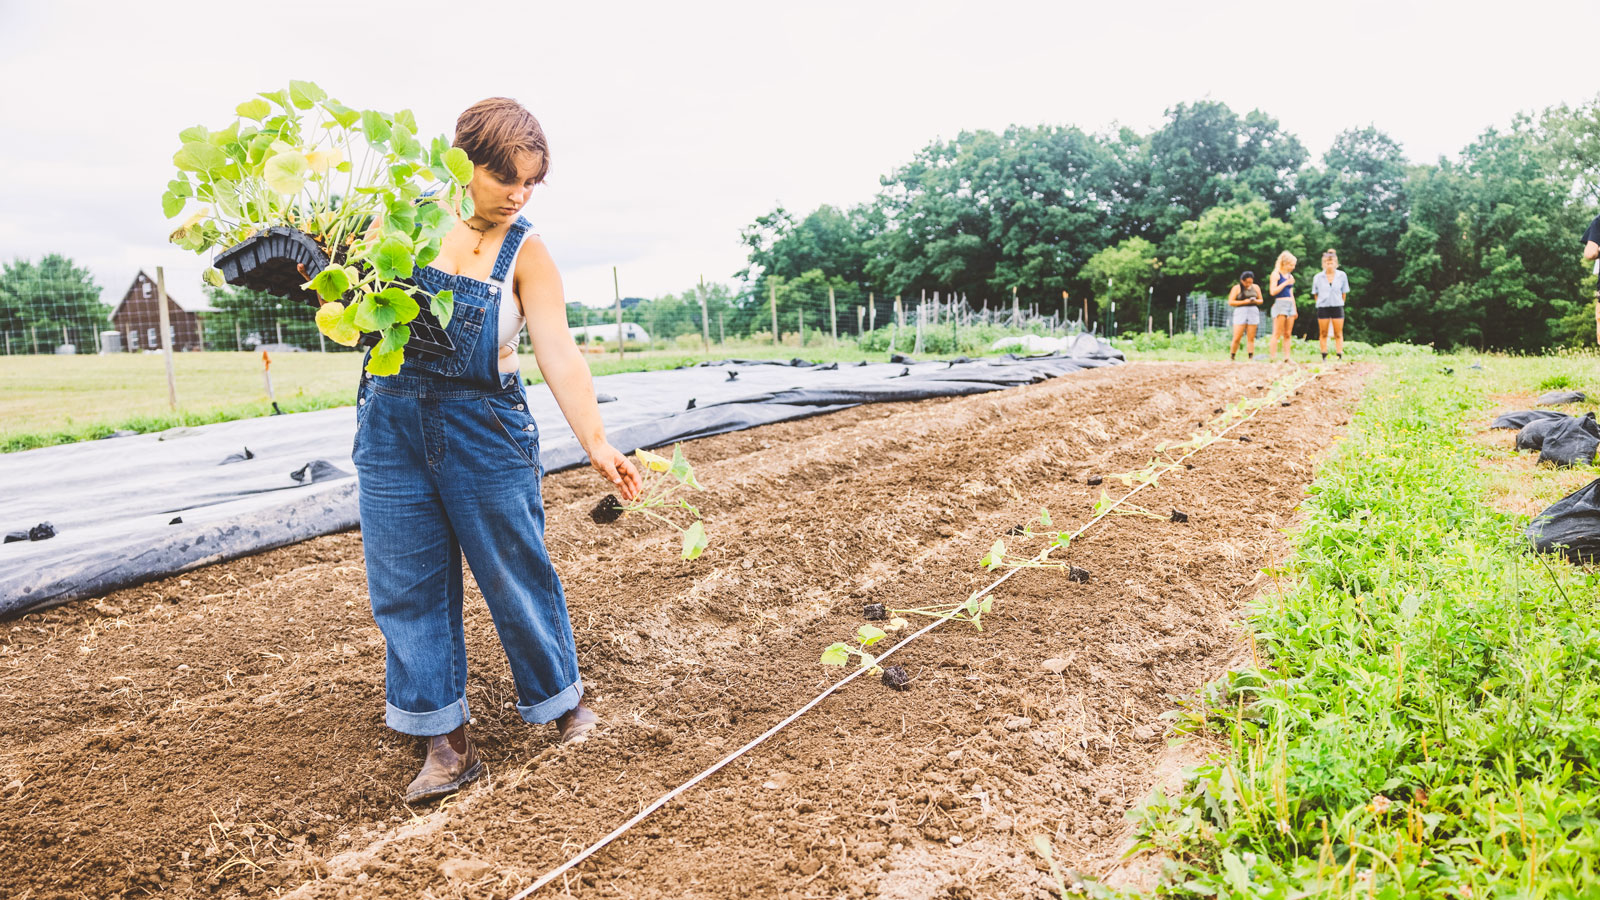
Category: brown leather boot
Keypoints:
(452, 762)
(575, 724)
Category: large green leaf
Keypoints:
(837, 654)
(393, 258)
(443, 306)
(171, 205)
(458, 165)
(342, 114)
(428, 252)
(373, 315)
(403, 304)
(304, 94)
(331, 283)
(194, 133)
(407, 118)
(221, 139)
(279, 97)
(374, 126)
(286, 172)
(403, 142)
(400, 216)
(394, 338)
(436, 221)
(385, 363)
(198, 156)
(694, 541)
(681, 469)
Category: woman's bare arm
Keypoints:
(544, 305)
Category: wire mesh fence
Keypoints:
(1203, 312)
(238, 352)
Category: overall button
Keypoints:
(518, 407)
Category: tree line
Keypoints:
(1481, 250)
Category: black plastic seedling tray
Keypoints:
(428, 339)
(269, 262)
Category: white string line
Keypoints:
(622, 829)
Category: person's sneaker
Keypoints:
(447, 769)
(575, 724)
(1324, 357)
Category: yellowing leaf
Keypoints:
(286, 173)
(332, 322)
(322, 160)
(869, 635)
(651, 461)
(836, 655)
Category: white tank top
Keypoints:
(511, 318)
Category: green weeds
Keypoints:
(1426, 718)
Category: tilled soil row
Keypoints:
(220, 734)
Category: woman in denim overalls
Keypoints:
(448, 456)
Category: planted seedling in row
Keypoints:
(839, 653)
(663, 480)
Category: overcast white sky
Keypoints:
(673, 125)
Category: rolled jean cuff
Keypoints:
(548, 710)
(427, 724)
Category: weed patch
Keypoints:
(1425, 721)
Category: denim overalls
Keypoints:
(448, 458)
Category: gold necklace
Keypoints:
(482, 233)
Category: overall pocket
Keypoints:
(509, 415)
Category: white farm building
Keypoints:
(594, 334)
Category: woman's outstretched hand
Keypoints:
(617, 469)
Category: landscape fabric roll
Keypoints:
(1570, 442)
(126, 510)
(1571, 525)
(1522, 417)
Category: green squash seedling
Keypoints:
(839, 653)
(355, 181)
(662, 480)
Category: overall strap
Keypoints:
(515, 236)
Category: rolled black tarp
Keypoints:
(1570, 526)
(1523, 416)
(1531, 436)
(1570, 442)
(1559, 398)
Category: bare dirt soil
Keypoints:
(220, 734)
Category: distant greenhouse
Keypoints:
(595, 334)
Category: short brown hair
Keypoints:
(494, 132)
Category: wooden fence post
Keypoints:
(166, 340)
(705, 321)
(772, 296)
(616, 287)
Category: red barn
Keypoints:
(138, 319)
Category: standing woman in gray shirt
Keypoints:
(1330, 287)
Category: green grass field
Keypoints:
(47, 400)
